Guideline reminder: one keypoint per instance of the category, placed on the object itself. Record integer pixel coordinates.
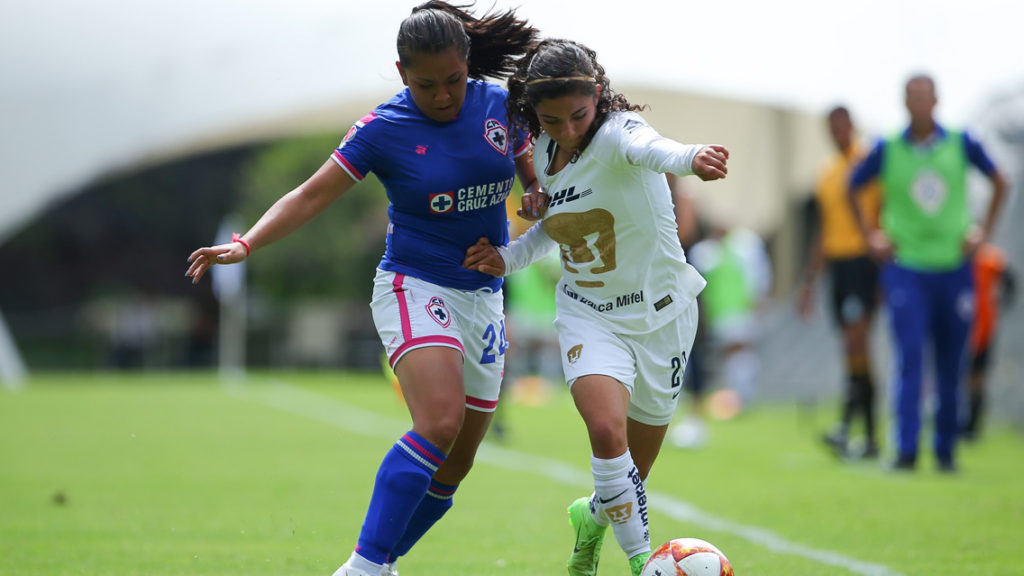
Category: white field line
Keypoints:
(285, 397)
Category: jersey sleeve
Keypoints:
(643, 146)
(977, 155)
(869, 168)
(529, 247)
(356, 153)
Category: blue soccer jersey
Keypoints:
(446, 181)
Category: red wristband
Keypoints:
(236, 237)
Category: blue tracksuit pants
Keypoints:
(935, 308)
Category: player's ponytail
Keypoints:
(489, 44)
(554, 68)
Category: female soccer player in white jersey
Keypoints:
(444, 150)
(626, 305)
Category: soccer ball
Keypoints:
(687, 557)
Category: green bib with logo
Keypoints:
(924, 207)
(726, 294)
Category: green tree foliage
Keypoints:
(332, 256)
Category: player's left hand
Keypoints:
(710, 162)
(484, 257)
(202, 259)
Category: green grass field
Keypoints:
(180, 474)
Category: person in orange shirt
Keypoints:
(994, 289)
(839, 244)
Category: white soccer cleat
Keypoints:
(347, 570)
(389, 569)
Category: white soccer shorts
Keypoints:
(649, 365)
(410, 313)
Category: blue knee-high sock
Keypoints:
(432, 507)
(402, 480)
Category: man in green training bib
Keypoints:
(925, 242)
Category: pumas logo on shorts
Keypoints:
(439, 312)
(574, 353)
(496, 135)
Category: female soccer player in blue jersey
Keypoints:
(626, 302)
(444, 150)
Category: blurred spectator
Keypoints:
(134, 329)
(687, 221)
(925, 240)
(736, 265)
(530, 310)
(839, 244)
(531, 314)
(994, 287)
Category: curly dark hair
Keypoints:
(490, 44)
(554, 68)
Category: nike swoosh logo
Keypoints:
(576, 545)
(605, 501)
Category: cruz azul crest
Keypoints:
(496, 135)
(355, 128)
(439, 312)
(442, 202)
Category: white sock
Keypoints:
(620, 500)
(358, 562)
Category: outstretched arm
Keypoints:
(288, 214)
(653, 151)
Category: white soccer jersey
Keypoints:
(611, 215)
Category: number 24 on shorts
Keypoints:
(491, 336)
